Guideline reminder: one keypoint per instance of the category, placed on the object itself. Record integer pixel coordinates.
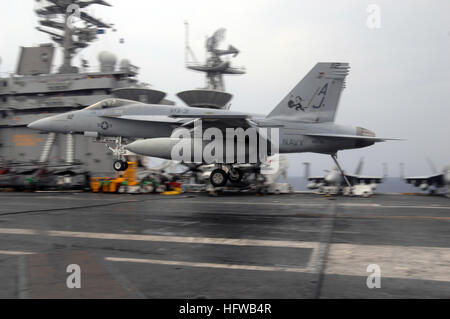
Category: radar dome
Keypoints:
(124, 63)
(107, 61)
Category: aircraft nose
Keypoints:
(41, 125)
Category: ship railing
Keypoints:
(130, 69)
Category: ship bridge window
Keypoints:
(110, 103)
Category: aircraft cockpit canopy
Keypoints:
(111, 103)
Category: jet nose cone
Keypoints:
(41, 125)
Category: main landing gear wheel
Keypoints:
(235, 175)
(120, 166)
(218, 178)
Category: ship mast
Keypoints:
(66, 34)
(215, 66)
(213, 95)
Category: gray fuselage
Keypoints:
(135, 121)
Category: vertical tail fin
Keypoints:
(315, 99)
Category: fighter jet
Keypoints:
(336, 180)
(432, 183)
(302, 122)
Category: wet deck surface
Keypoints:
(234, 246)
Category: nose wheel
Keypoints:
(120, 166)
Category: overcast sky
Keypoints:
(399, 84)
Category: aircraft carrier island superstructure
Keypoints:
(34, 91)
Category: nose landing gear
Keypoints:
(120, 166)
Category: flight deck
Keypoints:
(232, 246)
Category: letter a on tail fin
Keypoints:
(315, 99)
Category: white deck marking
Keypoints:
(186, 240)
(415, 207)
(416, 263)
(206, 265)
(420, 263)
(15, 253)
(359, 205)
(158, 238)
(16, 231)
(392, 206)
(406, 262)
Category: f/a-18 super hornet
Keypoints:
(432, 183)
(302, 122)
(335, 181)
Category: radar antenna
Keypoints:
(214, 67)
(58, 20)
(189, 54)
(213, 95)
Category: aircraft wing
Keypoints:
(145, 118)
(232, 120)
(221, 120)
(211, 116)
(437, 179)
(228, 120)
(187, 121)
